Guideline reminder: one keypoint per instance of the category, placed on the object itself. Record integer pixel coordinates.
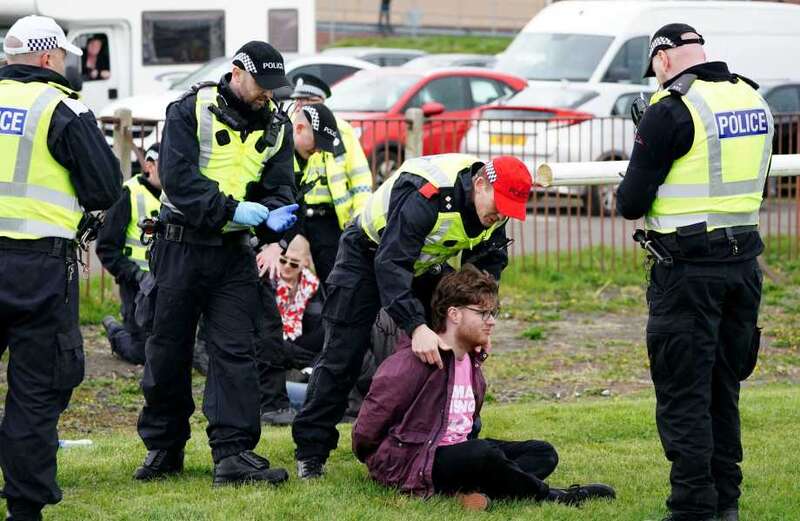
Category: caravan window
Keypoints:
(282, 29)
(170, 37)
(96, 59)
(554, 56)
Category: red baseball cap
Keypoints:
(512, 183)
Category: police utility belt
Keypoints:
(179, 233)
(690, 241)
(320, 210)
(53, 246)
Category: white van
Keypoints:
(144, 46)
(604, 43)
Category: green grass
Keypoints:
(95, 304)
(432, 44)
(610, 440)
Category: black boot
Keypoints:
(160, 463)
(21, 510)
(575, 495)
(310, 468)
(730, 514)
(247, 467)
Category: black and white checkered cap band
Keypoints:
(151, 155)
(658, 42)
(312, 113)
(491, 174)
(245, 60)
(304, 89)
(42, 44)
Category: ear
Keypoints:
(454, 314)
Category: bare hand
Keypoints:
(426, 344)
(267, 260)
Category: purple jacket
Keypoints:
(405, 415)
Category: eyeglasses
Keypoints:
(485, 313)
(292, 263)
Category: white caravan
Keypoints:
(148, 44)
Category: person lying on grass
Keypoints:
(414, 428)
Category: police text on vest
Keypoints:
(742, 123)
(12, 121)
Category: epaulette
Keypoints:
(682, 85)
(196, 87)
(747, 81)
(428, 190)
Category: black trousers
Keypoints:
(222, 284)
(702, 340)
(39, 326)
(323, 235)
(499, 469)
(128, 339)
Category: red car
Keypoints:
(375, 101)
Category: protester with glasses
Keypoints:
(415, 428)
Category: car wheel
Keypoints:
(386, 162)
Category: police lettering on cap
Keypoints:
(37, 33)
(323, 124)
(264, 62)
(309, 86)
(512, 183)
(669, 37)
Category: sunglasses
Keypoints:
(292, 263)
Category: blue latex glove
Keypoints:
(283, 218)
(250, 214)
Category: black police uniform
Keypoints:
(128, 340)
(367, 277)
(213, 274)
(39, 311)
(702, 336)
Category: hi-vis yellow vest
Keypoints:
(721, 179)
(37, 198)
(143, 204)
(448, 236)
(234, 164)
(344, 181)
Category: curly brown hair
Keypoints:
(467, 287)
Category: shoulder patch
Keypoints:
(75, 106)
(428, 190)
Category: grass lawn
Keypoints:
(432, 44)
(612, 441)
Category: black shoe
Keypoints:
(575, 495)
(310, 468)
(247, 467)
(279, 417)
(22, 510)
(160, 463)
(730, 514)
(673, 517)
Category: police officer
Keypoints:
(430, 210)
(696, 174)
(122, 253)
(225, 146)
(339, 183)
(54, 165)
(315, 133)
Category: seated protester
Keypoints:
(404, 411)
(122, 253)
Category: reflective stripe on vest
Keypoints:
(720, 180)
(233, 165)
(37, 198)
(143, 204)
(447, 237)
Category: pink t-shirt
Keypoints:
(462, 405)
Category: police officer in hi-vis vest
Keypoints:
(430, 210)
(340, 184)
(696, 175)
(54, 166)
(120, 249)
(226, 167)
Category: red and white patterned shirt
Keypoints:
(291, 307)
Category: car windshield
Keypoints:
(546, 97)
(366, 92)
(211, 71)
(554, 56)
